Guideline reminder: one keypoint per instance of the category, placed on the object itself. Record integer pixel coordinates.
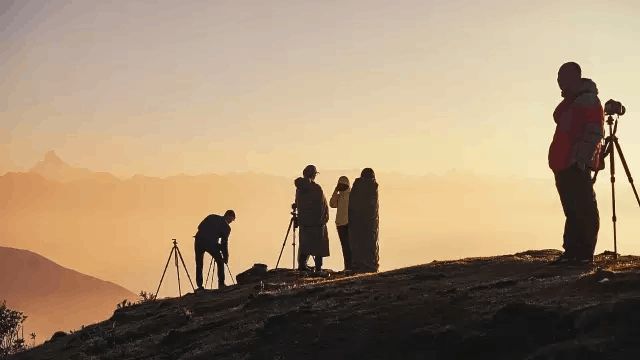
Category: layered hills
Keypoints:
(121, 228)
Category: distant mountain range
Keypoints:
(54, 297)
(121, 229)
(54, 168)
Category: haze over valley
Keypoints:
(121, 229)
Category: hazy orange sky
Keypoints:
(163, 87)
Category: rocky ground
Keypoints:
(505, 307)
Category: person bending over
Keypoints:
(213, 237)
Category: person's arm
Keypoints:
(325, 209)
(224, 245)
(591, 136)
(333, 201)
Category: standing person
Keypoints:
(313, 215)
(213, 237)
(574, 152)
(363, 222)
(340, 201)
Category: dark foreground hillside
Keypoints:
(507, 307)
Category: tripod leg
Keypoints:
(185, 269)
(626, 170)
(208, 272)
(294, 249)
(164, 272)
(177, 271)
(213, 272)
(230, 274)
(614, 218)
(285, 241)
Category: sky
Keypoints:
(416, 87)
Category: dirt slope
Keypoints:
(506, 307)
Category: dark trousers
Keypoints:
(343, 233)
(304, 258)
(581, 211)
(201, 246)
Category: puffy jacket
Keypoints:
(311, 203)
(340, 201)
(579, 130)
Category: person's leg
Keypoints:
(303, 257)
(318, 262)
(566, 190)
(587, 215)
(221, 271)
(595, 224)
(199, 254)
(217, 257)
(343, 234)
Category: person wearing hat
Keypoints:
(313, 215)
(363, 223)
(340, 201)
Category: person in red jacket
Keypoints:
(574, 152)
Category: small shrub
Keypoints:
(125, 303)
(146, 297)
(10, 325)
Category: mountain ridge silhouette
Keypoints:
(52, 296)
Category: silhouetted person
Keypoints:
(363, 222)
(213, 237)
(313, 215)
(574, 152)
(340, 201)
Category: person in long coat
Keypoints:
(363, 222)
(313, 215)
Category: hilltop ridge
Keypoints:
(503, 307)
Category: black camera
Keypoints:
(613, 107)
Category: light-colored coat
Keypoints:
(340, 201)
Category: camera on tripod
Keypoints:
(613, 107)
(293, 225)
(611, 148)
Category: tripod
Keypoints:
(293, 223)
(611, 146)
(175, 252)
(212, 265)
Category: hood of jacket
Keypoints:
(587, 96)
(366, 183)
(303, 184)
